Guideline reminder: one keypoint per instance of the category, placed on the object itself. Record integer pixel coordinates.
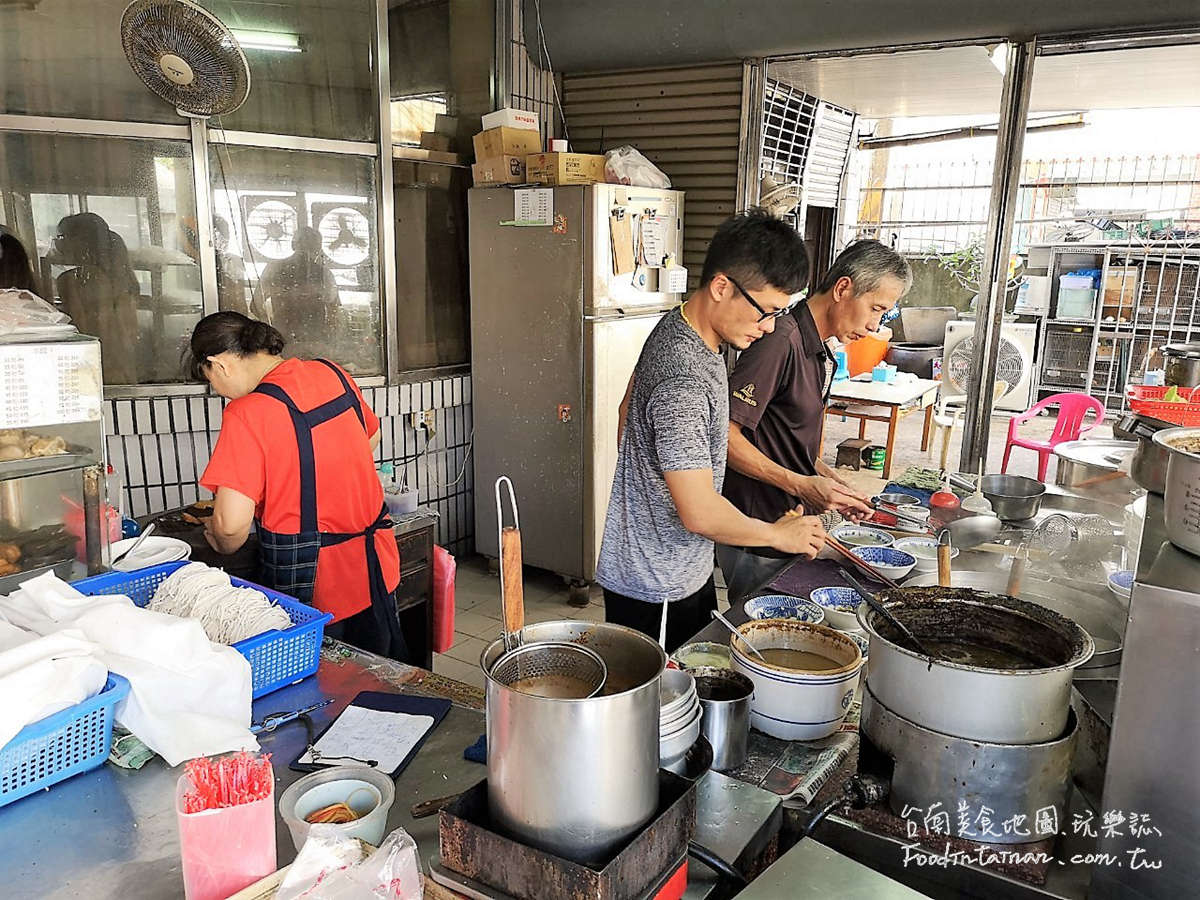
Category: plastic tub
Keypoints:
(338, 784)
(224, 850)
(1076, 303)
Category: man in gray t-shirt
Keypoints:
(666, 508)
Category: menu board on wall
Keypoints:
(49, 384)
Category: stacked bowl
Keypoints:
(679, 716)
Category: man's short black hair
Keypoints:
(757, 250)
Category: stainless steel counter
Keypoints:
(1156, 727)
(111, 832)
(810, 869)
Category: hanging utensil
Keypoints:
(977, 503)
(512, 586)
(837, 545)
(945, 552)
(141, 540)
(737, 634)
(1017, 572)
(873, 602)
(971, 531)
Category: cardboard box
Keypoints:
(431, 140)
(447, 125)
(512, 118)
(1121, 285)
(499, 170)
(506, 142)
(565, 168)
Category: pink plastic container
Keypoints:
(224, 850)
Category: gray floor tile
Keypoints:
(450, 667)
(467, 649)
(476, 623)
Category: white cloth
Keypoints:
(188, 696)
(40, 676)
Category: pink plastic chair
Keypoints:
(1072, 409)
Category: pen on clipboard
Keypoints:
(274, 720)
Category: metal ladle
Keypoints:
(737, 634)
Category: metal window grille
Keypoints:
(788, 118)
(524, 85)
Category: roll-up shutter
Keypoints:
(686, 120)
(833, 128)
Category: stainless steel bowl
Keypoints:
(1013, 497)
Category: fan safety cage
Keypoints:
(1010, 363)
(186, 56)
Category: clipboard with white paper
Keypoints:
(384, 731)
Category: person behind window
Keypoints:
(101, 293)
(231, 273)
(16, 273)
(302, 294)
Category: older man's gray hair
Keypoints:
(867, 263)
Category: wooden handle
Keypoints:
(1015, 574)
(427, 808)
(943, 558)
(514, 590)
(1100, 479)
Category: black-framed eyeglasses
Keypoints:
(762, 313)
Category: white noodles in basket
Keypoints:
(228, 614)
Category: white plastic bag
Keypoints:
(332, 867)
(625, 165)
(21, 312)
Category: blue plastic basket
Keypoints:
(67, 743)
(277, 658)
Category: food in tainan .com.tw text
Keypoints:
(926, 825)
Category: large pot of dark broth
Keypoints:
(577, 777)
(1003, 669)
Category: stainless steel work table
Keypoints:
(111, 832)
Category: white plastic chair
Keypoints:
(950, 409)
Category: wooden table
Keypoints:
(898, 400)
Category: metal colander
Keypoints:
(552, 669)
(1086, 538)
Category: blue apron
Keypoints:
(288, 562)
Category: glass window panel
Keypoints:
(65, 59)
(320, 81)
(297, 246)
(111, 244)
(432, 287)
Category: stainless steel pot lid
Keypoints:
(1182, 351)
(1101, 453)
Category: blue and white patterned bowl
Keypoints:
(864, 643)
(893, 563)
(839, 604)
(861, 536)
(1121, 583)
(784, 606)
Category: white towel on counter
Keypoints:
(40, 676)
(188, 697)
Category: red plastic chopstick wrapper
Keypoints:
(228, 781)
(225, 809)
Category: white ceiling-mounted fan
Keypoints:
(185, 55)
(778, 199)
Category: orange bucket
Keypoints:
(865, 354)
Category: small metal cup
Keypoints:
(725, 698)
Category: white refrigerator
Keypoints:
(555, 334)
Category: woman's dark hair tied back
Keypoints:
(230, 332)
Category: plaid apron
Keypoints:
(289, 561)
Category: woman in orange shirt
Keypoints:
(294, 456)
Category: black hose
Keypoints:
(714, 862)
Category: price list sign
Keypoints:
(49, 384)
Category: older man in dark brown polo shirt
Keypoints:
(777, 397)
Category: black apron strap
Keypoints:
(308, 460)
(348, 389)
